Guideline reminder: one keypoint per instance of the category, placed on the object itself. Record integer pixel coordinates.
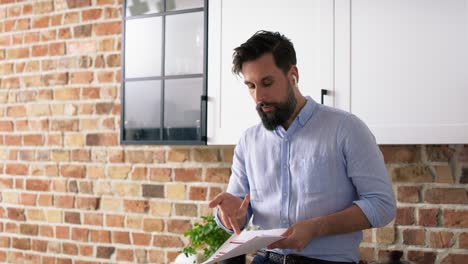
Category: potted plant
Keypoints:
(209, 237)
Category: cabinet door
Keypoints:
(231, 22)
(402, 66)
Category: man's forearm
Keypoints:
(349, 220)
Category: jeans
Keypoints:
(261, 260)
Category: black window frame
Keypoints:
(202, 139)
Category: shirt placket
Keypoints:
(284, 212)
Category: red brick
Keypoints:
(72, 171)
(86, 250)
(16, 111)
(72, 218)
(6, 126)
(160, 174)
(125, 255)
(178, 226)
(80, 234)
(78, 3)
(100, 236)
(29, 229)
(141, 239)
(93, 219)
(40, 22)
(21, 243)
(136, 206)
(104, 252)
(87, 203)
(428, 217)
(28, 198)
(46, 231)
(156, 256)
(441, 153)
(33, 140)
(422, 257)
(17, 53)
(198, 193)
(463, 240)
(64, 201)
(455, 218)
(455, 259)
(446, 196)
(39, 245)
(70, 248)
(108, 28)
(121, 237)
(55, 79)
(153, 225)
(40, 50)
(115, 220)
(16, 214)
(186, 210)
(82, 77)
(12, 140)
(414, 237)
(92, 14)
(167, 241)
(37, 185)
(90, 93)
(101, 139)
(187, 175)
(133, 156)
(404, 216)
(218, 175)
(10, 83)
(441, 239)
(64, 125)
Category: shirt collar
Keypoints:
(307, 111)
(304, 115)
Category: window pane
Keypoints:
(183, 4)
(184, 44)
(141, 7)
(143, 40)
(182, 109)
(142, 110)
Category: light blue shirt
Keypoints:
(326, 161)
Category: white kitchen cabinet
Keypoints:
(309, 25)
(402, 67)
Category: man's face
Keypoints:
(271, 90)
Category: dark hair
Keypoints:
(265, 42)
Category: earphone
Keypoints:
(294, 80)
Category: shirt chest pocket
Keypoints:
(314, 174)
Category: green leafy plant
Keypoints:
(207, 236)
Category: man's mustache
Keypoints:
(263, 104)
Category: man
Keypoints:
(308, 167)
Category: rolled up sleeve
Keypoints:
(366, 169)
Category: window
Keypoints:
(164, 72)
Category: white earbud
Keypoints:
(294, 80)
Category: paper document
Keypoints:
(246, 242)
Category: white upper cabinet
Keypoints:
(309, 25)
(402, 67)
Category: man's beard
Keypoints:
(280, 113)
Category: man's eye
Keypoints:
(251, 86)
(267, 83)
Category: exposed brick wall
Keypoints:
(71, 194)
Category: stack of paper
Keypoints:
(246, 242)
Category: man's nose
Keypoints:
(259, 95)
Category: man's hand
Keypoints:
(232, 210)
(297, 236)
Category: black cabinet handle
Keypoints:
(323, 93)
